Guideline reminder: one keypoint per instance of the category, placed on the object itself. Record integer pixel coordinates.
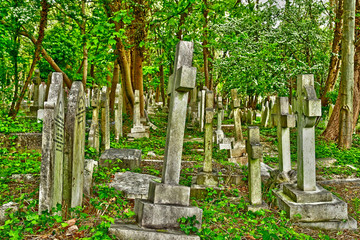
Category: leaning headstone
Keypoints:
(284, 121)
(105, 119)
(138, 130)
(317, 207)
(118, 113)
(89, 168)
(254, 151)
(168, 201)
(94, 140)
(265, 116)
(52, 157)
(74, 148)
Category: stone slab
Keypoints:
(136, 135)
(206, 179)
(319, 195)
(123, 158)
(161, 216)
(124, 231)
(160, 193)
(312, 212)
(225, 146)
(239, 160)
(349, 224)
(133, 185)
(257, 207)
(30, 141)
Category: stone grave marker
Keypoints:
(284, 121)
(254, 151)
(318, 207)
(105, 119)
(168, 201)
(52, 157)
(94, 140)
(118, 112)
(202, 109)
(74, 148)
(138, 130)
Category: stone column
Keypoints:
(254, 150)
(74, 148)
(94, 140)
(52, 157)
(105, 119)
(202, 110)
(208, 138)
(138, 130)
(118, 113)
(168, 201)
(307, 108)
(219, 112)
(284, 121)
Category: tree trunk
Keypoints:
(114, 82)
(85, 50)
(334, 66)
(138, 77)
(14, 109)
(347, 76)
(205, 47)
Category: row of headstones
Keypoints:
(317, 206)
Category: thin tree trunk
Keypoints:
(14, 109)
(347, 76)
(85, 50)
(205, 48)
(114, 82)
(138, 77)
(334, 66)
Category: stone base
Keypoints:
(138, 135)
(206, 179)
(312, 212)
(160, 193)
(163, 216)
(237, 152)
(319, 195)
(201, 192)
(257, 207)
(123, 158)
(124, 231)
(349, 224)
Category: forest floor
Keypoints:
(224, 212)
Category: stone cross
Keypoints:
(118, 112)
(184, 81)
(284, 121)
(308, 109)
(52, 157)
(94, 141)
(237, 115)
(208, 138)
(254, 150)
(105, 119)
(74, 148)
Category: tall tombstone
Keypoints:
(94, 140)
(307, 108)
(219, 132)
(31, 92)
(284, 121)
(36, 82)
(237, 115)
(168, 201)
(208, 138)
(52, 157)
(42, 92)
(254, 150)
(202, 109)
(265, 116)
(199, 105)
(105, 119)
(118, 112)
(74, 148)
(138, 130)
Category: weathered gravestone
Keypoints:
(105, 119)
(202, 110)
(317, 207)
(138, 130)
(239, 148)
(118, 112)
(74, 148)
(52, 157)
(94, 140)
(168, 201)
(224, 143)
(254, 151)
(284, 121)
(122, 158)
(265, 115)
